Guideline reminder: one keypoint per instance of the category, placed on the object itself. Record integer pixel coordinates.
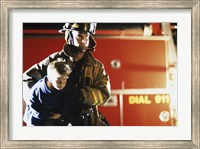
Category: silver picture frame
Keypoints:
(7, 5)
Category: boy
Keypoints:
(46, 105)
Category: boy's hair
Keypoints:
(60, 66)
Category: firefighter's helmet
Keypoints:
(82, 27)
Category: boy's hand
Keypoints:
(55, 116)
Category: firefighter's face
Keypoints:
(78, 39)
(57, 80)
(81, 39)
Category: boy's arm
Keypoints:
(37, 109)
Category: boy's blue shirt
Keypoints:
(42, 102)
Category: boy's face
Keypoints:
(58, 81)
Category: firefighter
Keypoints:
(88, 83)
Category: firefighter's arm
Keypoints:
(99, 93)
(35, 73)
